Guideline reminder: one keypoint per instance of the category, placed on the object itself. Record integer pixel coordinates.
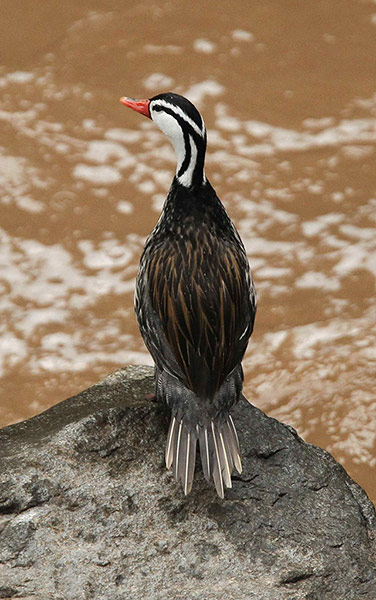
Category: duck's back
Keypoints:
(196, 275)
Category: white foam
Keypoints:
(307, 337)
(13, 350)
(240, 35)
(312, 228)
(20, 77)
(198, 91)
(127, 136)
(102, 175)
(16, 179)
(123, 206)
(168, 49)
(346, 132)
(318, 280)
(359, 233)
(102, 151)
(354, 257)
(158, 81)
(205, 46)
(273, 273)
(109, 253)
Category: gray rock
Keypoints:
(88, 510)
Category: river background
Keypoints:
(288, 93)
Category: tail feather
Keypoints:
(233, 443)
(219, 450)
(204, 451)
(176, 451)
(190, 463)
(170, 443)
(217, 471)
(225, 461)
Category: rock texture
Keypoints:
(88, 510)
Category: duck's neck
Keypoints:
(190, 154)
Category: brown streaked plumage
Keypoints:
(195, 304)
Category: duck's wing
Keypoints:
(203, 297)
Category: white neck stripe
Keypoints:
(181, 113)
(186, 178)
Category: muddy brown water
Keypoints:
(288, 92)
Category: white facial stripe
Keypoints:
(169, 125)
(177, 110)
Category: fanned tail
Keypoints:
(219, 450)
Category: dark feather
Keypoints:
(199, 288)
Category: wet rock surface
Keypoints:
(88, 510)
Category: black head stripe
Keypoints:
(187, 158)
(185, 126)
(183, 103)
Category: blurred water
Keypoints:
(289, 100)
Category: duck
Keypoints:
(195, 303)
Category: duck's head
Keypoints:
(180, 120)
